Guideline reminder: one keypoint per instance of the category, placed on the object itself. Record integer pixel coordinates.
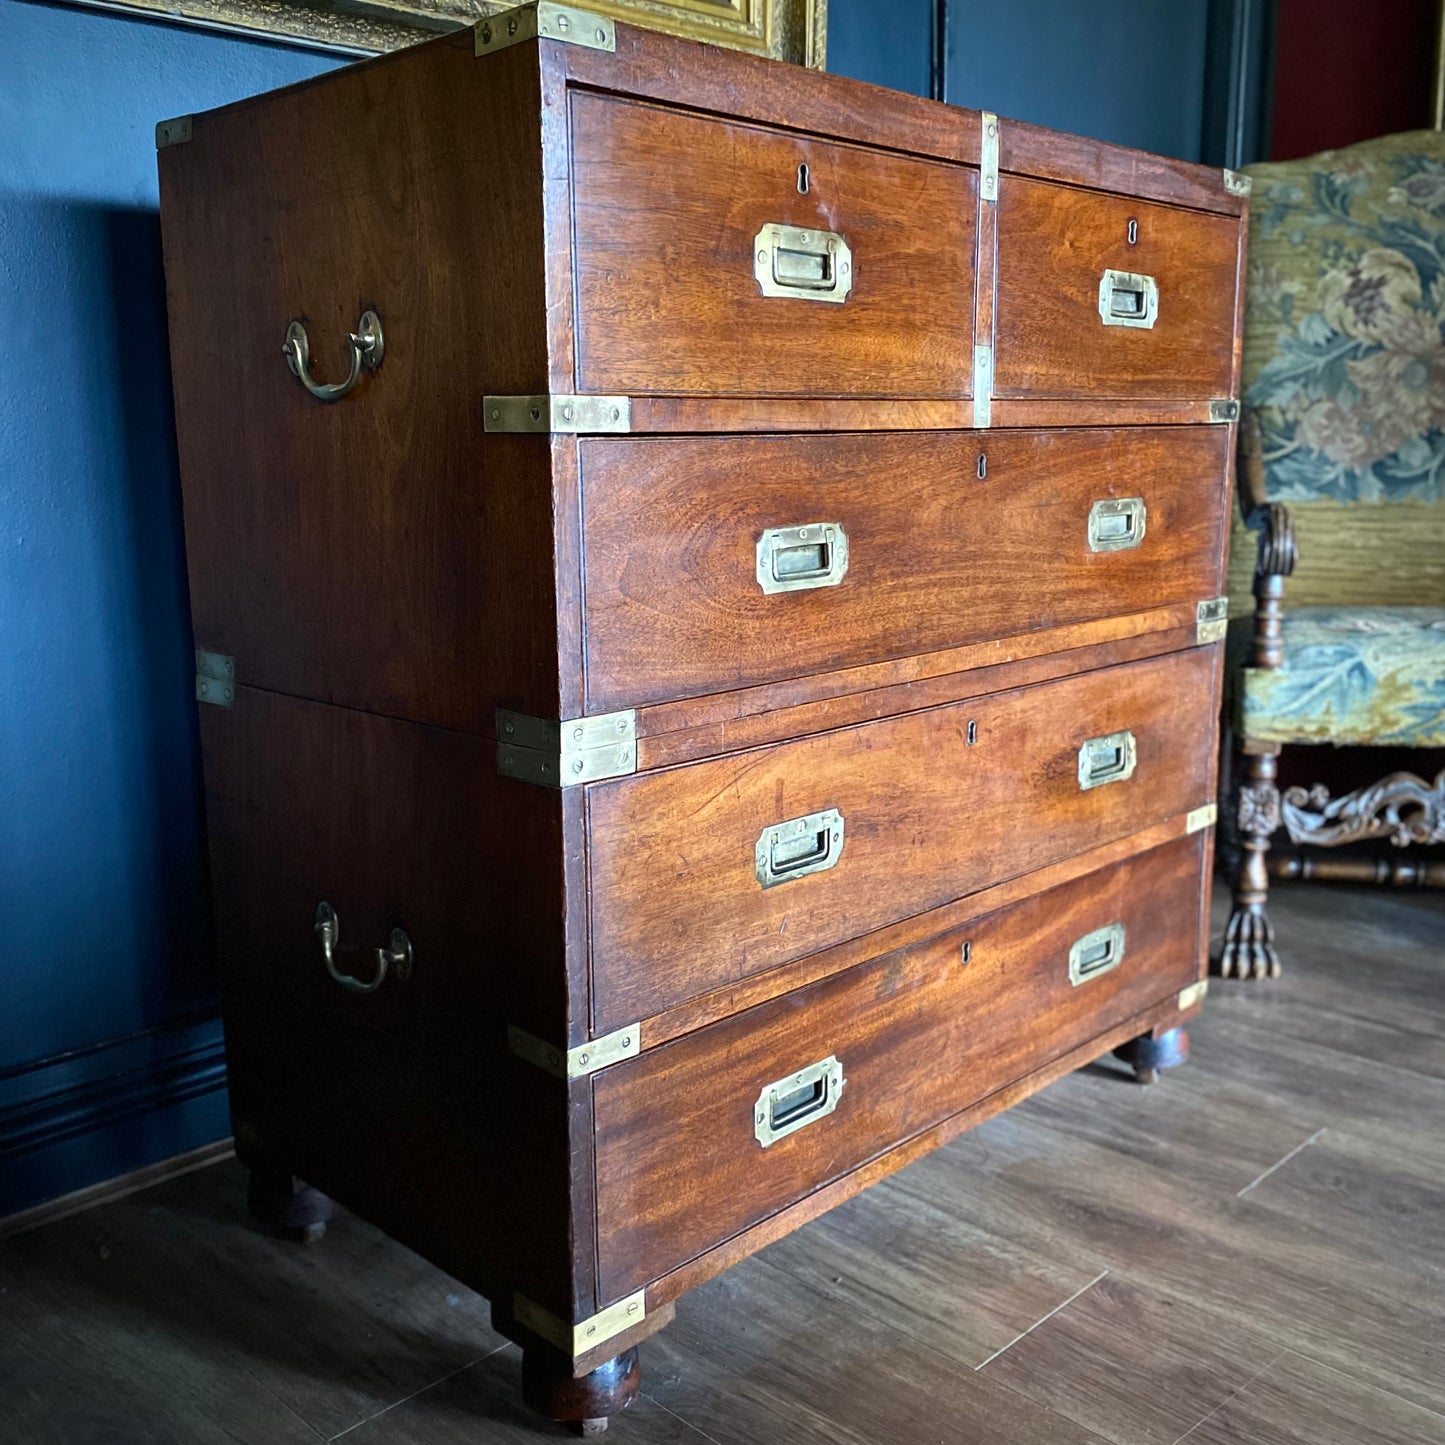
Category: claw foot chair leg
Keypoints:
(1249, 950)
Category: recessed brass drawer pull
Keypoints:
(367, 349)
(787, 1105)
(806, 265)
(395, 960)
(798, 847)
(1128, 299)
(794, 559)
(1109, 759)
(1095, 953)
(1117, 524)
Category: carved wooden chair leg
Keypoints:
(1150, 1054)
(585, 1404)
(1248, 950)
(286, 1205)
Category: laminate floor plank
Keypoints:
(482, 1405)
(926, 1272)
(757, 1356)
(1298, 1402)
(336, 1330)
(1131, 1365)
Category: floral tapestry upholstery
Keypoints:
(1343, 357)
(1371, 675)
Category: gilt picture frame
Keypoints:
(794, 30)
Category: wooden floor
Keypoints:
(1253, 1251)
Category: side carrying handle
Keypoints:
(798, 847)
(1109, 759)
(1128, 299)
(395, 960)
(787, 1105)
(806, 265)
(367, 349)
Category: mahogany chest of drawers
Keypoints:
(708, 584)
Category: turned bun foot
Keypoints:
(585, 1404)
(1150, 1054)
(1249, 950)
(287, 1206)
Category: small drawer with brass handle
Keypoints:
(807, 265)
(800, 1099)
(1096, 953)
(394, 961)
(1128, 299)
(1107, 759)
(800, 846)
(1116, 524)
(794, 559)
(366, 344)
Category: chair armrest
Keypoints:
(1278, 551)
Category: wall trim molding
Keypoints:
(68, 1121)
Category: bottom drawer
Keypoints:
(915, 1035)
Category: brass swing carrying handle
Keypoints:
(367, 350)
(396, 960)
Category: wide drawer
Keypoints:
(914, 1036)
(709, 872)
(703, 261)
(1085, 312)
(721, 562)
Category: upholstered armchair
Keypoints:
(1342, 515)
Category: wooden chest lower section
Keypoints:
(915, 1035)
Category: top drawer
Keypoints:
(1105, 296)
(703, 265)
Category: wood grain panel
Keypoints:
(677, 909)
(673, 606)
(667, 207)
(1055, 245)
(678, 1167)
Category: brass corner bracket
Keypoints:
(579, 1062)
(566, 753)
(557, 413)
(586, 1334)
(173, 132)
(544, 21)
(215, 678)
(1211, 620)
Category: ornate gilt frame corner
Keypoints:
(793, 30)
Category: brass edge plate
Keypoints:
(988, 156)
(607, 414)
(215, 678)
(173, 132)
(1211, 620)
(1202, 817)
(563, 23)
(1237, 183)
(579, 1062)
(567, 753)
(1192, 995)
(1223, 409)
(982, 386)
(577, 1339)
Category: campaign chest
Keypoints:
(706, 583)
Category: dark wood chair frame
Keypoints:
(1402, 807)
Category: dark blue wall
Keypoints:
(109, 1053)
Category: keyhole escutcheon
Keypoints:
(1133, 231)
(803, 178)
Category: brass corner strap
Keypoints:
(1237, 183)
(988, 157)
(557, 413)
(1204, 816)
(587, 1334)
(215, 678)
(566, 753)
(1223, 409)
(1194, 994)
(1211, 620)
(545, 21)
(173, 132)
(579, 1062)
